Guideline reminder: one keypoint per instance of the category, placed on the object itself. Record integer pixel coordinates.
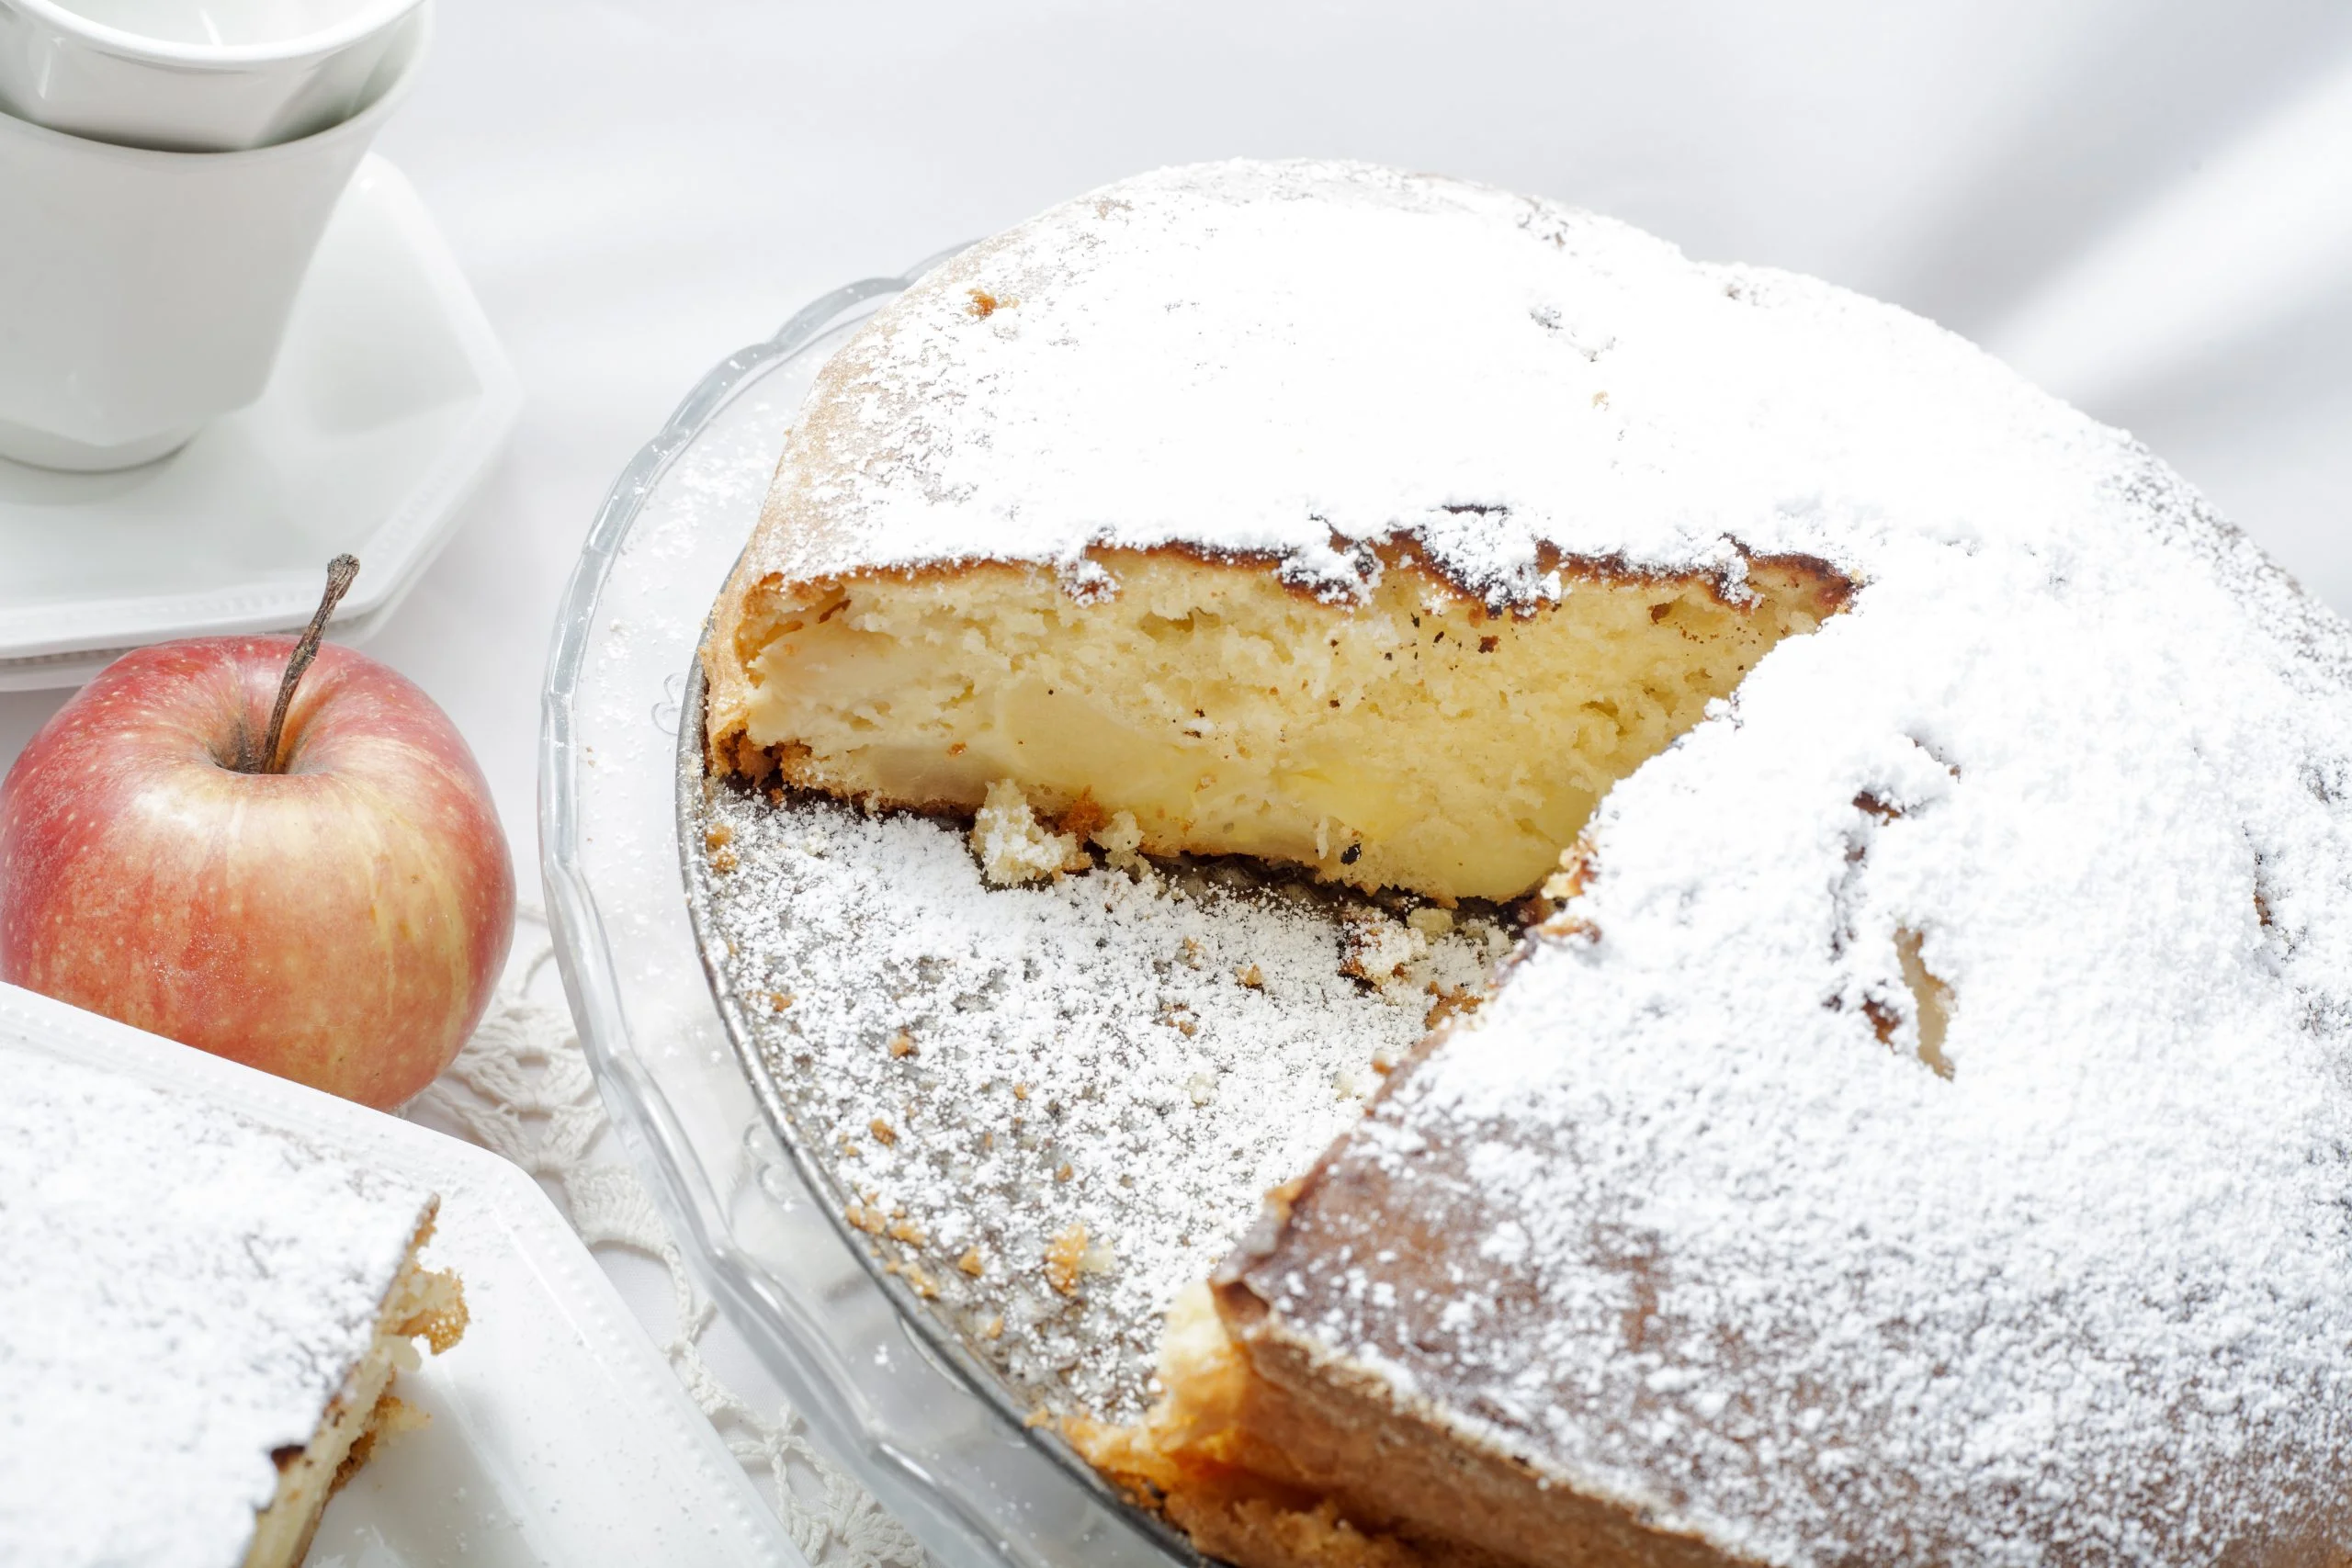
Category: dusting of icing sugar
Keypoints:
(1129, 1057)
(2088, 1299)
(1433, 394)
(2083, 1302)
(184, 1293)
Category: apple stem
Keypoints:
(340, 571)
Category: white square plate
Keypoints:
(390, 398)
(559, 1436)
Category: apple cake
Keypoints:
(1913, 1127)
(203, 1319)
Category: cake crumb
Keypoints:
(902, 1043)
(1121, 842)
(883, 1132)
(1383, 952)
(970, 1263)
(921, 1283)
(1444, 1005)
(1012, 847)
(1065, 1255)
(1250, 976)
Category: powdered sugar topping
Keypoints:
(184, 1293)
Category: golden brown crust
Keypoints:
(1271, 1458)
(1335, 1430)
(1343, 1435)
(1264, 1531)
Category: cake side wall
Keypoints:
(1385, 1462)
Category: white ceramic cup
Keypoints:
(199, 76)
(143, 294)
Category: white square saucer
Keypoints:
(557, 1436)
(389, 400)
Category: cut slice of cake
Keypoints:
(200, 1323)
(423, 1304)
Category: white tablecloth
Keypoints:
(2144, 204)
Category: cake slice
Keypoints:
(200, 1323)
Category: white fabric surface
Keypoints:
(2144, 204)
(522, 1089)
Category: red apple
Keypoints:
(341, 921)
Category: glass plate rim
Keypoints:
(650, 1129)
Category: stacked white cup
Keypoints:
(166, 169)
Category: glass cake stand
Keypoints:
(957, 1469)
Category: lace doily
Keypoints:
(521, 1089)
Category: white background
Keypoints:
(2144, 204)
